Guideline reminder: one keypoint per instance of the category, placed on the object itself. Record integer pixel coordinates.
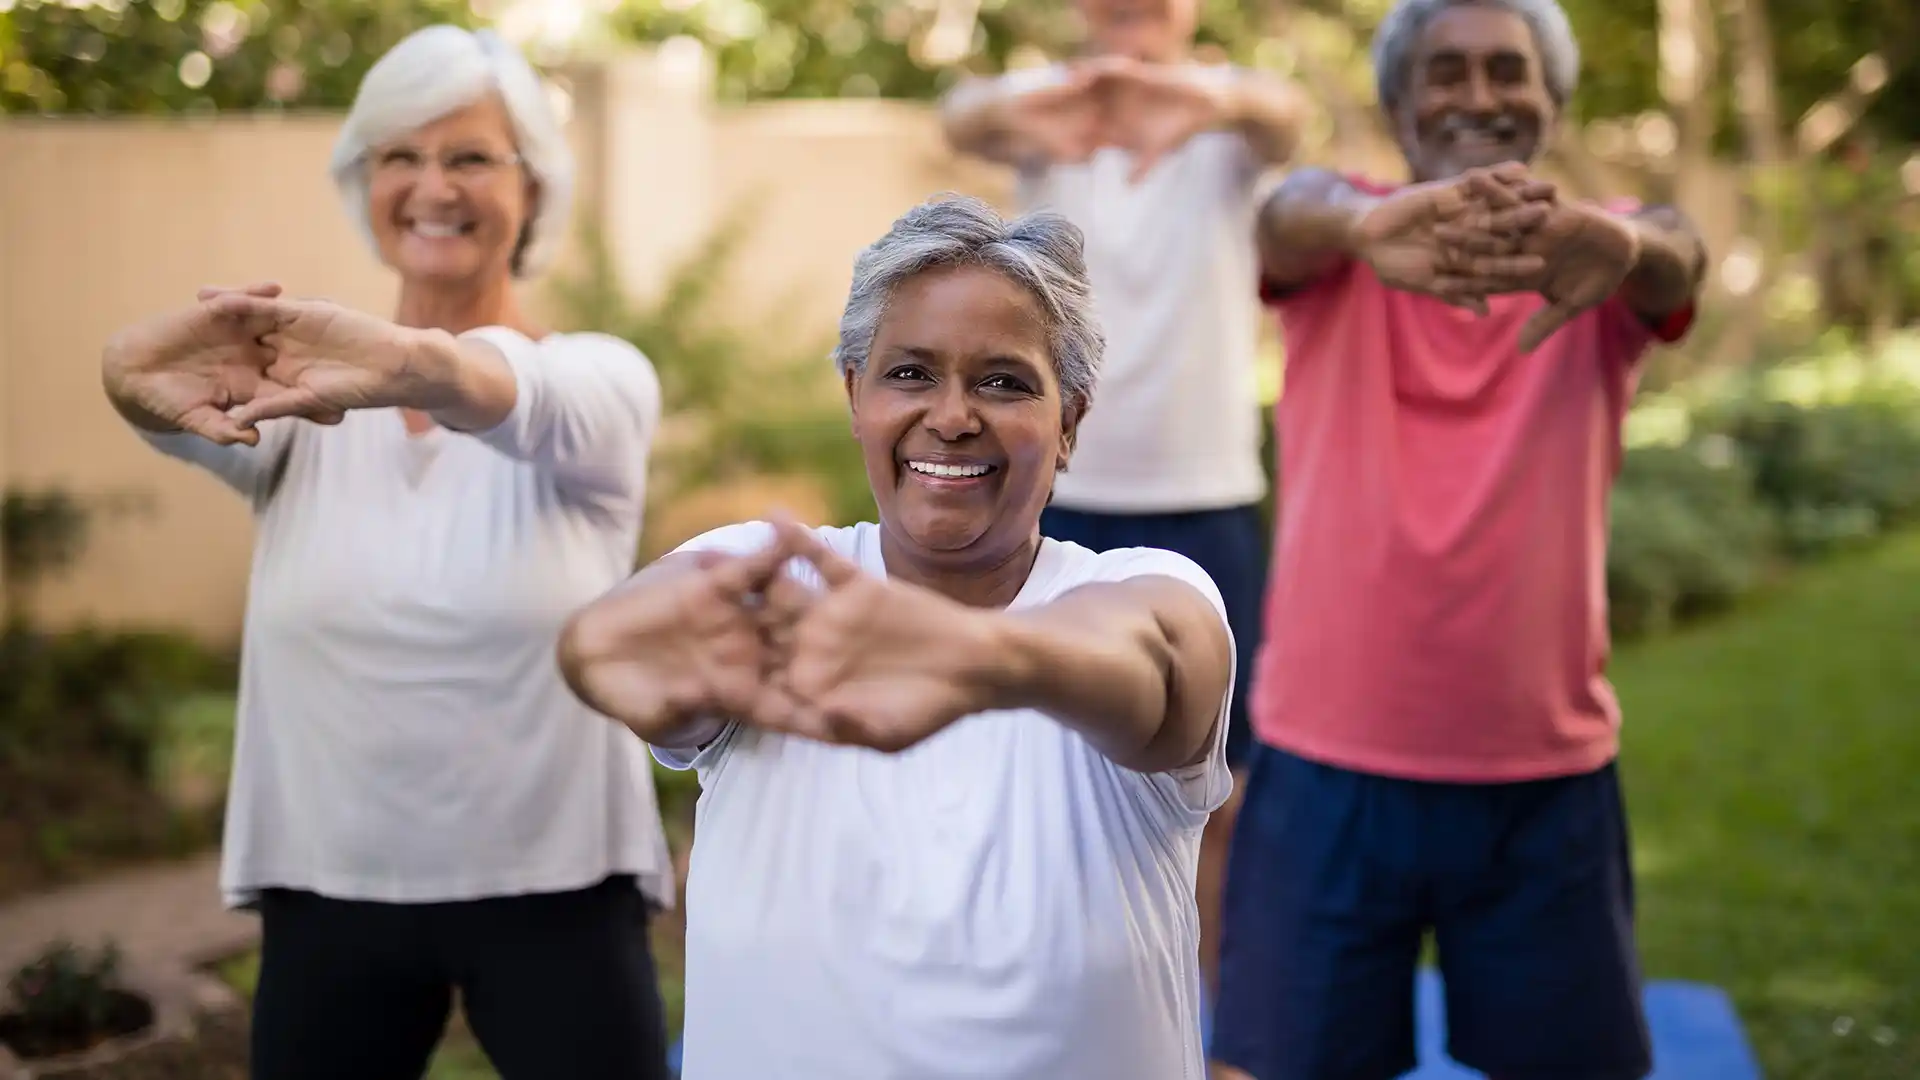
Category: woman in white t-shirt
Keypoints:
(954, 775)
(418, 805)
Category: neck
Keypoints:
(991, 586)
(457, 308)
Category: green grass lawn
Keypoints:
(1772, 763)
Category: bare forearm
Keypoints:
(1138, 668)
(1307, 227)
(1666, 275)
(974, 117)
(1269, 113)
(464, 385)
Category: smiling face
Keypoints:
(1476, 94)
(1156, 30)
(959, 418)
(449, 201)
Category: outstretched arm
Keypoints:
(974, 118)
(1026, 119)
(582, 405)
(1139, 667)
(1309, 227)
(1669, 267)
(1269, 113)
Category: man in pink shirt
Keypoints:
(1437, 730)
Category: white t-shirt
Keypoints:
(1000, 901)
(404, 732)
(1175, 423)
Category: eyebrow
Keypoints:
(924, 355)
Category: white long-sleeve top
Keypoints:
(404, 734)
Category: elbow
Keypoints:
(1171, 742)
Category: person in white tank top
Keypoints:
(954, 775)
(1158, 159)
(418, 804)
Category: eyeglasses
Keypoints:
(459, 165)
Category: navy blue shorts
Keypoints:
(1336, 876)
(1230, 545)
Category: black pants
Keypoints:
(556, 986)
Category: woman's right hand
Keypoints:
(182, 370)
(679, 645)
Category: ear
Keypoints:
(530, 211)
(1069, 429)
(852, 383)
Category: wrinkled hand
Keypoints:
(1153, 109)
(1061, 124)
(187, 368)
(693, 647)
(1585, 253)
(1459, 240)
(865, 661)
(327, 359)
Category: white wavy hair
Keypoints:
(440, 70)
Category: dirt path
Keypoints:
(168, 914)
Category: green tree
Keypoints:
(175, 56)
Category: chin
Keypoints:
(439, 272)
(943, 533)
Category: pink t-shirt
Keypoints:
(1438, 605)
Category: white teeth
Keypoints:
(931, 468)
(433, 230)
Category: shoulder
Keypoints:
(595, 347)
(751, 536)
(1081, 566)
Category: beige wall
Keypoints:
(102, 221)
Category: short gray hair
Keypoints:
(1398, 37)
(1042, 252)
(440, 70)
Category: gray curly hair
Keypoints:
(1398, 37)
(1042, 252)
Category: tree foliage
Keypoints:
(186, 56)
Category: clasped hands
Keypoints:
(1149, 110)
(855, 660)
(241, 356)
(1498, 230)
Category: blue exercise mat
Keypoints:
(1696, 1035)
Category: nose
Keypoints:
(433, 182)
(951, 415)
(1480, 96)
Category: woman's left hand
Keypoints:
(865, 661)
(329, 359)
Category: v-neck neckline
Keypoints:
(418, 452)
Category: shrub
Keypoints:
(1688, 536)
(67, 1001)
(65, 989)
(97, 694)
(1833, 473)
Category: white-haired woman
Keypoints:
(418, 804)
(1008, 894)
